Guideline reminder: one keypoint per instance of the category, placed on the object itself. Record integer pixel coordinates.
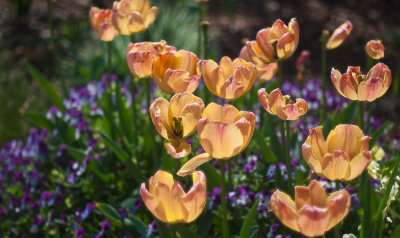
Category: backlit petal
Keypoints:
(190, 166)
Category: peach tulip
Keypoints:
(176, 120)
(224, 132)
(344, 155)
(101, 23)
(230, 79)
(141, 56)
(375, 49)
(339, 35)
(133, 16)
(312, 212)
(168, 202)
(177, 72)
(265, 72)
(356, 86)
(277, 104)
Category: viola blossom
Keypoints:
(356, 86)
(278, 42)
(141, 56)
(277, 104)
(312, 212)
(176, 120)
(339, 35)
(177, 72)
(375, 49)
(101, 23)
(265, 71)
(230, 79)
(133, 16)
(223, 132)
(168, 202)
(344, 155)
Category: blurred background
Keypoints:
(57, 39)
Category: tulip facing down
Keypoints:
(176, 120)
(312, 212)
(339, 35)
(230, 79)
(343, 156)
(101, 23)
(141, 56)
(224, 132)
(133, 16)
(277, 104)
(167, 201)
(375, 49)
(356, 86)
(177, 72)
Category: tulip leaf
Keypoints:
(138, 224)
(205, 222)
(265, 150)
(39, 120)
(124, 118)
(396, 232)
(110, 213)
(245, 230)
(111, 144)
(184, 231)
(348, 114)
(78, 154)
(378, 133)
(163, 230)
(213, 179)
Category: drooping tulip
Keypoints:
(230, 79)
(356, 86)
(101, 23)
(339, 35)
(375, 49)
(301, 62)
(133, 16)
(176, 120)
(224, 132)
(177, 72)
(277, 104)
(141, 56)
(312, 212)
(344, 155)
(168, 202)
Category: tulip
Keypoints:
(375, 49)
(278, 42)
(343, 156)
(265, 72)
(141, 56)
(301, 62)
(168, 202)
(176, 120)
(177, 72)
(133, 16)
(224, 132)
(230, 79)
(312, 212)
(339, 35)
(277, 104)
(101, 23)
(355, 86)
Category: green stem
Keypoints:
(132, 37)
(280, 77)
(134, 112)
(287, 152)
(225, 229)
(323, 79)
(109, 51)
(361, 115)
(369, 118)
(148, 101)
(336, 230)
(365, 203)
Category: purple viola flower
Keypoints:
(79, 232)
(271, 171)
(106, 226)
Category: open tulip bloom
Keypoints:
(224, 132)
(101, 23)
(339, 35)
(312, 212)
(167, 201)
(356, 86)
(344, 155)
(375, 49)
(265, 71)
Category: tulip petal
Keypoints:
(150, 16)
(266, 72)
(317, 194)
(312, 161)
(263, 40)
(286, 46)
(375, 49)
(226, 113)
(347, 88)
(213, 76)
(181, 150)
(190, 166)
(247, 133)
(339, 35)
(360, 163)
(140, 63)
(159, 116)
(293, 111)
(136, 22)
(313, 221)
(345, 137)
(335, 78)
(231, 89)
(195, 200)
(284, 208)
(301, 196)
(336, 167)
(152, 203)
(370, 89)
(294, 28)
(317, 142)
(339, 205)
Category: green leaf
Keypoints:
(348, 114)
(115, 147)
(47, 87)
(244, 231)
(39, 120)
(265, 150)
(184, 231)
(163, 230)
(378, 133)
(213, 179)
(110, 212)
(125, 119)
(138, 224)
(204, 223)
(396, 232)
(78, 154)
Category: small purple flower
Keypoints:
(106, 226)
(79, 232)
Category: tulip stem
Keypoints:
(323, 79)
(225, 230)
(148, 99)
(280, 76)
(369, 117)
(109, 52)
(287, 152)
(361, 115)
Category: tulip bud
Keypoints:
(101, 23)
(375, 49)
(339, 35)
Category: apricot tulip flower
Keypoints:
(312, 212)
(344, 155)
(356, 86)
(224, 132)
(176, 120)
(141, 56)
(339, 35)
(230, 79)
(177, 72)
(101, 23)
(375, 49)
(167, 201)
(277, 104)
(132, 16)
